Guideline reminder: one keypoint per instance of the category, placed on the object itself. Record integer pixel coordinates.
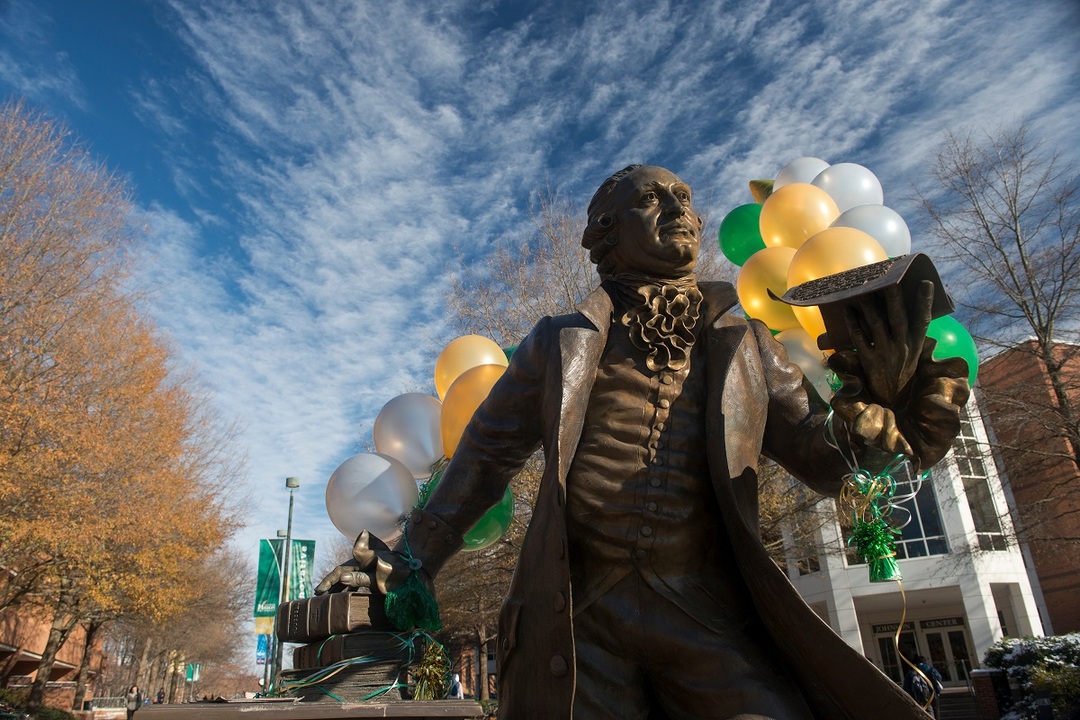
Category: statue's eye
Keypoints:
(683, 196)
(648, 198)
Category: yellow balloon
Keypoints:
(829, 252)
(794, 213)
(468, 351)
(461, 401)
(767, 270)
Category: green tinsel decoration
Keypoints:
(875, 545)
(413, 606)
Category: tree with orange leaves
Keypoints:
(110, 493)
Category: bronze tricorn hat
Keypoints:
(832, 293)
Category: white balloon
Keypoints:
(799, 170)
(881, 223)
(804, 352)
(371, 492)
(849, 184)
(408, 429)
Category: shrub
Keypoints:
(1044, 665)
(49, 713)
(13, 697)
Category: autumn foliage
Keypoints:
(110, 465)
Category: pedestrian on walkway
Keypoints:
(134, 701)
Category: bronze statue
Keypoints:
(643, 590)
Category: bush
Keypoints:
(13, 697)
(1048, 666)
(48, 713)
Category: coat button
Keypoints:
(646, 531)
(651, 507)
(558, 665)
(664, 403)
(559, 602)
(432, 524)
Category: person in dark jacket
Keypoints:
(133, 701)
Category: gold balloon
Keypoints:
(462, 399)
(468, 351)
(794, 213)
(829, 252)
(763, 271)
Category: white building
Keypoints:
(964, 579)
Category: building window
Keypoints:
(924, 533)
(969, 461)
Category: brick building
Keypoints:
(1045, 485)
(23, 634)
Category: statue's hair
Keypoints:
(600, 234)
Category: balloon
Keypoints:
(466, 352)
(372, 492)
(767, 270)
(881, 223)
(803, 351)
(740, 234)
(795, 212)
(799, 170)
(493, 525)
(462, 399)
(408, 429)
(827, 253)
(850, 185)
(953, 340)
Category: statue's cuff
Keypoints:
(431, 541)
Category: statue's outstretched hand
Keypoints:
(374, 565)
(894, 395)
(889, 340)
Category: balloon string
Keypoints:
(903, 658)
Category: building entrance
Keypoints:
(944, 642)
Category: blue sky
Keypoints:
(307, 170)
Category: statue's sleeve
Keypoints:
(504, 431)
(795, 433)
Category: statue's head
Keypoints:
(641, 220)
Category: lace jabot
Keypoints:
(662, 317)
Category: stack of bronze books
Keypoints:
(350, 653)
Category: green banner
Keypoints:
(268, 585)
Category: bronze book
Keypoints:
(370, 646)
(319, 617)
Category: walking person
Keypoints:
(134, 701)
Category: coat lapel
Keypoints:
(581, 346)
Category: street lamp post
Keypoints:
(292, 483)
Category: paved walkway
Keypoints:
(288, 710)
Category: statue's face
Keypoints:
(659, 232)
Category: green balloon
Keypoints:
(740, 233)
(493, 525)
(953, 340)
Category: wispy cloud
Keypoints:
(333, 155)
(28, 63)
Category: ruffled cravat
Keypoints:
(661, 318)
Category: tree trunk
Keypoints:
(141, 666)
(482, 673)
(64, 621)
(174, 662)
(84, 665)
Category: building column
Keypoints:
(843, 618)
(981, 612)
(1026, 610)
